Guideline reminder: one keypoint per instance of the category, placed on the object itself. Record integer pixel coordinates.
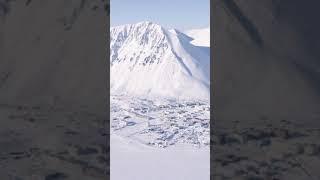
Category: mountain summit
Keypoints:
(147, 59)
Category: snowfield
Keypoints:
(129, 161)
(160, 109)
(159, 139)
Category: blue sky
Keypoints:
(180, 14)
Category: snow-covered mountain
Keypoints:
(147, 59)
(201, 37)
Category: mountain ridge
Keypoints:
(169, 64)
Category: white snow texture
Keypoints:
(146, 59)
(160, 109)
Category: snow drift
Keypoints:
(146, 59)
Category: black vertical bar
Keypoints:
(53, 93)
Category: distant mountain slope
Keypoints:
(201, 37)
(147, 59)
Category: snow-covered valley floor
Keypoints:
(163, 139)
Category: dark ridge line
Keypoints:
(310, 74)
(246, 23)
(182, 63)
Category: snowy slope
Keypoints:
(131, 161)
(148, 60)
(201, 37)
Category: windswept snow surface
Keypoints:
(147, 59)
(160, 110)
(201, 37)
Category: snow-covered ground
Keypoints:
(157, 139)
(160, 110)
(131, 161)
(161, 122)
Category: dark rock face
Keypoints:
(53, 89)
(267, 89)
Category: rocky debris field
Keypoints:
(161, 122)
(49, 143)
(287, 151)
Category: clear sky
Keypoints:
(180, 14)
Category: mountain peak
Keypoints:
(146, 23)
(147, 59)
(140, 36)
(138, 24)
